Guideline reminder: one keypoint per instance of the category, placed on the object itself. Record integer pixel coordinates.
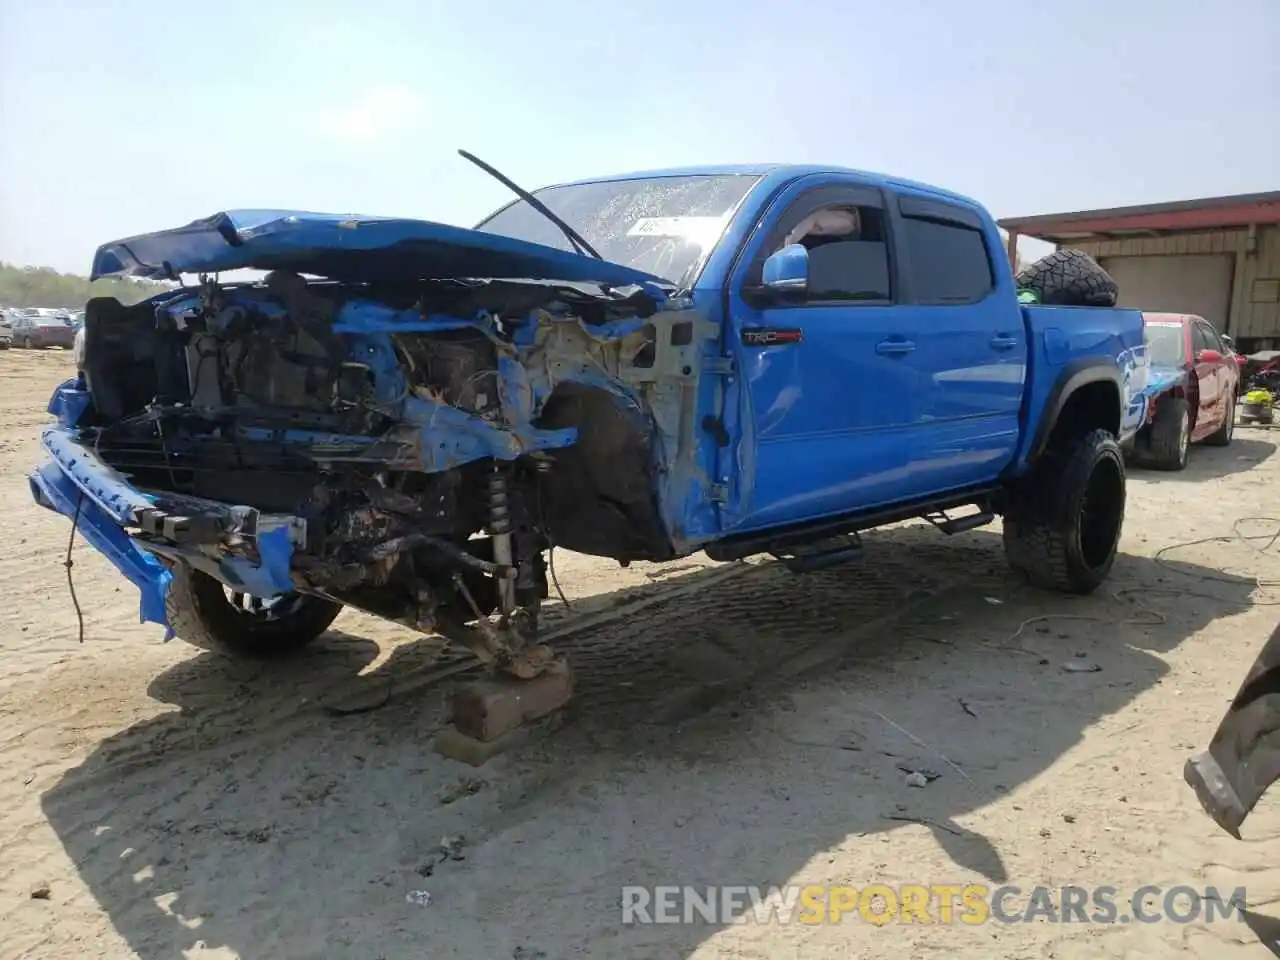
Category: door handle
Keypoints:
(1001, 342)
(894, 348)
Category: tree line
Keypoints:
(46, 287)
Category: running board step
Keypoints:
(821, 554)
(950, 525)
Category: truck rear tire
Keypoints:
(1062, 523)
(201, 613)
(1168, 442)
(1069, 278)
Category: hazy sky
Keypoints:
(125, 116)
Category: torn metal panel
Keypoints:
(69, 402)
(654, 365)
(1243, 759)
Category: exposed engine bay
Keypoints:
(412, 452)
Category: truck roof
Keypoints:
(777, 173)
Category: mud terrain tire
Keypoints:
(1062, 523)
(1069, 278)
(1168, 443)
(200, 613)
(1222, 436)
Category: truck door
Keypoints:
(825, 399)
(972, 359)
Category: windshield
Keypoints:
(661, 225)
(1167, 344)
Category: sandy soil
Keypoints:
(735, 726)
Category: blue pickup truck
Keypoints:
(404, 417)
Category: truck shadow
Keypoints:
(730, 734)
(1207, 463)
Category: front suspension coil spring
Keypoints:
(500, 529)
(499, 504)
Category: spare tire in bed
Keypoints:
(1069, 278)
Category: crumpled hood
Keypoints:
(349, 248)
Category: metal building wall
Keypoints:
(1198, 283)
(1255, 289)
(1256, 301)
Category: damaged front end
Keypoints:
(1243, 759)
(387, 438)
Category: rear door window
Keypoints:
(950, 262)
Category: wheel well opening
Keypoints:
(1092, 406)
(597, 495)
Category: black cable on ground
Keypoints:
(71, 587)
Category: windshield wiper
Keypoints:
(574, 238)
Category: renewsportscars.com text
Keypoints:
(969, 904)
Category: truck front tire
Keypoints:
(201, 613)
(1062, 522)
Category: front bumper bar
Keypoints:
(57, 489)
(105, 507)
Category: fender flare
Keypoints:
(1076, 374)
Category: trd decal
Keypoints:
(770, 336)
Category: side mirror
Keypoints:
(1208, 356)
(1231, 344)
(786, 273)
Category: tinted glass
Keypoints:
(661, 225)
(1200, 337)
(849, 270)
(949, 263)
(1212, 342)
(1166, 344)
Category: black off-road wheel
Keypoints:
(208, 615)
(1062, 523)
(1168, 442)
(1069, 278)
(1222, 436)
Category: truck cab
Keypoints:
(871, 348)
(892, 306)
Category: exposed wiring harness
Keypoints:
(551, 566)
(68, 564)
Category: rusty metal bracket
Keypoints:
(505, 645)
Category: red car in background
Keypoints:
(1191, 386)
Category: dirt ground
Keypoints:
(734, 725)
